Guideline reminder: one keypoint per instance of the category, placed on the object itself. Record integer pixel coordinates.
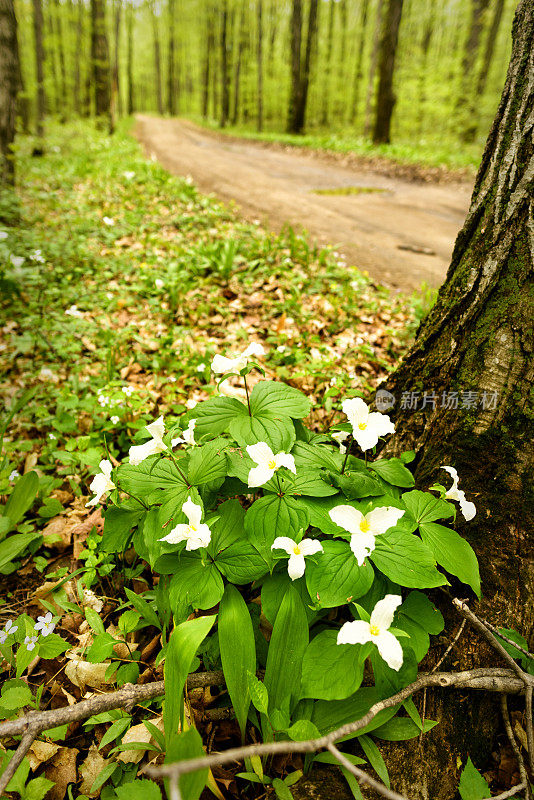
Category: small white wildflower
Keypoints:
(340, 437)
(52, 437)
(115, 419)
(296, 552)
(367, 427)
(364, 527)
(201, 367)
(377, 631)
(73, 311)
(102, 482)
(37, 257)
(30, 642)
(139, 452)
(281, 348)
(9, 628)
(45, 624)
(129, 174)
(268, 463)
(3, 235)
(16, 261)
(159, 283)
(467, 508)
(188, 435)
(108, 220)
(14, 474)
(128, 390)
(222, 364)
(196, 534)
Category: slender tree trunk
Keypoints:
(294, 94)
(116, 86)
(490, 47)
(260, 64)
(372, 69)
(39, 67)
(129, 59)
(157, 58)
(77, 59)
(9, 81)
(311, 41)
(237, 73)
(63, 100)
(342, 100)
(385, 97)
(273, 28)
(54, 99)
(225, 81)
(465, 104)
(476, 346)
(358, 72)
(171, 77)
(425, 47)
(327, 85)
(206, 69)
(100, 61)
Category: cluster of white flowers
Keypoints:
(44, 625)
(196, 533)
(115, 419)
(37, 256)
(16, 261)
(128, 390)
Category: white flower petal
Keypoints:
(362, 544)
(254, 349)
(106, 466)
(390, 649)
(296, 566)
(357, 632)
(346, 517)
(468, 509)
(356, 410)
(367, 438)
(178, 534)
(192, 511)
(139, 452)
(221, 364)
(380, 423)
(259, 476)
(201, 537)
(260, 452)
(383, 518)
(284, 543)
(157, 429)
(308, 547)
(383, 612)
(286, 460)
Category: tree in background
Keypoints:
(465, 104)
(157, 56)
(9, 83)
(300, 71)
(225, 73)
(260, 64)
(100, 61)
(129, 58)
(39, 67)
(385, 98)
(172, 82)
(479, 339)
(358, 72)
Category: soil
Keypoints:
(398, 224)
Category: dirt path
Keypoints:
(370, 228)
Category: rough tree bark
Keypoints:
(300, 73)
(9, 81)
(327, 85)
(479, 338)
(100, 61)
(372, 68)
(39, 67)
(358, 72)
(465, 103)
(385, 97)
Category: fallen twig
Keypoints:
(363, 777)
(515, 747)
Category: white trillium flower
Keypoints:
(268, 463)
(196, 533)
(108, 220)
(297, 552)
(102, 482)
(467, 508)
(155, 445)
(9, 628)
(222, 364)
(367, 427)
(377, 631)
(340, 437)
(188, 435)
(45, 624)
(365, 527)
(30, 642)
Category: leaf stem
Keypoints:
(346, 455)
(248, 398)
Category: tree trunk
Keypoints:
(9, 80)
(260, 65)
(100, 61)
(327, 87)
(63, 99)
(157, 59)
(425, 47)
(490, 47)
(116, 87)
(171, 77)
(237, 74)
(358, 72)
(311, 40)
(225, 81)
(39, 67)
(54, 99)
(129, 59)
(465, 105)
(77, 59)
(385, 98)
(475, 349)
(206, 69)
(294, 93)
(372, 69)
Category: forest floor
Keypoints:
(395, 221)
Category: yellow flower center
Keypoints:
(272, 464)
(296, 550)
(364, 525)
(362, 425)
(374, 630)
(193, 528)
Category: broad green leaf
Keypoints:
(228, 528)
(183, 644)
(115, 731)
(356, 484)
(374, 756)
(329, 715)
(424, 507)
(404, 559)
(335, 578)
(21, 498)
(207, 463)
(278, 399)
(214, 416)
(14, 546)
(286, 650)
(101, 648)
(473, 786)
(196, 583)
(138, 790)
(258, 693)
(308, 482)
(281, 790)
(52, 646)
(16, 697)
(400, 729)
(273, 516)
(303, 729)
(94, 620)
(452, 552)
(150, 476)
(317, 456)
(37, 788)
(393, 471)
(273, 591)
(278, 432)
(238, 651)
(144, 608)
(419, 639)
(418, 607)
(241, 563)
(104, 775)
(330, 671)
(118, 526)
(318, 509)
(389, 681)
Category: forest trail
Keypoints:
(370, 227)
